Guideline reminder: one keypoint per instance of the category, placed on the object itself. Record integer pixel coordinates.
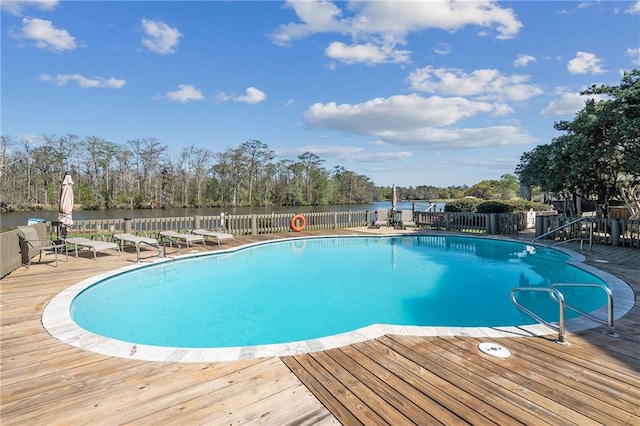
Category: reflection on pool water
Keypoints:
(309, 288)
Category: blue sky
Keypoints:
(408, 93)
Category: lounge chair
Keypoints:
(218, 235)
(139, 242)
(406, 219)
(93, 245)
(31, 244)
(382, 218)
(181, 236)
(136, 240)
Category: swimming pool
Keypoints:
(315, 291)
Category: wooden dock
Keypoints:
(392, 380)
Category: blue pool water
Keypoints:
(311, 288)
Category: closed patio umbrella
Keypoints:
(65, 207)
(394, 206)
(394, 199)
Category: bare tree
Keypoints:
(202, 165)
(195, 163)
(236, 172)
(147, 155)
(257, 155)
(311, 163)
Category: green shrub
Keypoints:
(495, 207)
(509, 206)
(466, 205)
(525, 205)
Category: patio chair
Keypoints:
(31, 244)
(217, 234)
(406, 219)
(182, 236)
(382, 218)
(89, 244)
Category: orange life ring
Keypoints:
(294, 222)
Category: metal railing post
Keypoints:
(562, 325)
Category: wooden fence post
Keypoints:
(495, 224)
(615, 232)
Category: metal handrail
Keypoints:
(557, 296)
(164, 239)
(432, 206)
(572, 239)
(609, 322)
(149, 244)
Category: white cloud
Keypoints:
(396, 18)
(413, 120)
(401, 111)
(316, 17)
(287, 102)
(585, 63)
(566, 103)
(15, 7)
(377, 27)
(485, 84)
(366, 53)
(185, 93)
(462, 138)
(84, 82)
(523, 61)
(345, 153)
(442, 49)
(634, 9)
(223, 97)
(500, 110)
(45, 35)
(490, 163)
(251, 96)
(159, 37)
(634, 54)
(584, 5)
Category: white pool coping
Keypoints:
(56, 319)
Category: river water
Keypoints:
(22, 218)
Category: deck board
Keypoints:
(389, 380)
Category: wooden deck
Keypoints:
(391, 380)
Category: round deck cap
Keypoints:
(494, 349)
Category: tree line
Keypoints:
(598, 155)
(506, 188)
(142, 173)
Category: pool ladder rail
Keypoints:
(158, 247)
(557, 296)
(566, 225)
(161, 246)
